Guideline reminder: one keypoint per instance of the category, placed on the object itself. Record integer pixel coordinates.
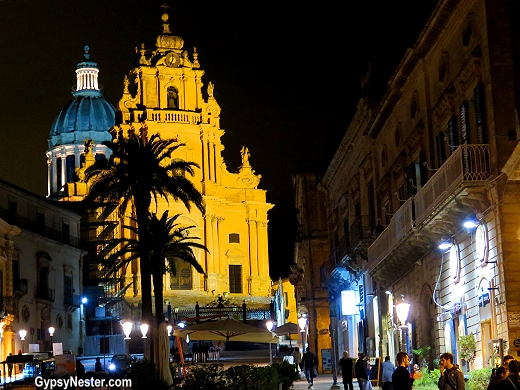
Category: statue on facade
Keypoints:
(211, 87)
(245, 157)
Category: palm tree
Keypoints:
(139, 170)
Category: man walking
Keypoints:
(360, 369)
(387, 370)
(309, 363)
(297, 356)
(401, 377)
(451, 376)
(347, 368)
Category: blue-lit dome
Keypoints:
(89, 115)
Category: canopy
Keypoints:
(227, 329)
(287, 328)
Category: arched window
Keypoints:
(173, 97)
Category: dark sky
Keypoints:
(286, 74)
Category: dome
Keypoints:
(84, 117)
(88, 115)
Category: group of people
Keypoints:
(507, 376)
(400, 378)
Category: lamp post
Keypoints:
(269, 325)
(302, 323)
(51, 333)
(403, 309)
(144, 330)
(22, 333)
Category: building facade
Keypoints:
(40, 279)
(164, 95)
(440, 148)
(311, 255)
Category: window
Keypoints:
(40, 222)
(59, 169)
(100, 156)
(65, 232)
(371, 205)
(235, 279)
(464, 123)
(68, 290)
(480, 113)
(172, 96)
(441, 148)
(13, 211)
(443, 67)
(453, 134)
(234, 238)
(16, 275)
(481, 245)
(70, 162)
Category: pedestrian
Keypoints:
(310, 364)
(498, 375)
(97, 366)
(401, 379)
(10, 368)
(80, 370)
(506, 360)
(297, 358)
(387, 369)
(346, 368)
(451, 376)
(360, 369)
(512, 381)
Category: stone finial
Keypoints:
(196, 64)
(87, 55)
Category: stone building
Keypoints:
(311, 254)
(40, 281)
(440, 148)
(163, 94)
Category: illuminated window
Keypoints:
(234, 238)
(455, 263)
(481, 244)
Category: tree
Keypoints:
(141, 170)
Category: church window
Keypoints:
(172, 96)
(71, 165)
(234, 238)
(235, 279)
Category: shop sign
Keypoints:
(484, 300)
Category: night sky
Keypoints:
(286, 74)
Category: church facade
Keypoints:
(164, 95)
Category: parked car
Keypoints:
(119, 365)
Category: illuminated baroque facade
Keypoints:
(164, 95)
(439, 148)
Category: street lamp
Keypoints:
(269, 325)
(144, 330)
(22, 333)
(302, 323)
(127, 329)
(403, 309)
(51, 333)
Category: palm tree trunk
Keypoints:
(141, 211)
(159, 298)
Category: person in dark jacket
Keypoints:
(309, 364)
(451, 377)
(498, 376)
(347, 368)
(512, 381)
(360, 369)
(401, 379)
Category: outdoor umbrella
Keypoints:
(287, 329)
(227, 330)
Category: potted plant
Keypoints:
(468, 348)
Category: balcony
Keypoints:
(169, 116)
(456, 190)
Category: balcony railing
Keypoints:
(170, 116)
(468, 164)
(400, 225)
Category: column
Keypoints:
(214, 244)
(218, 267)
(263, 252)
(208, 158)
(211, 156)
(209, 242)
(253, 258)
(204, 158)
